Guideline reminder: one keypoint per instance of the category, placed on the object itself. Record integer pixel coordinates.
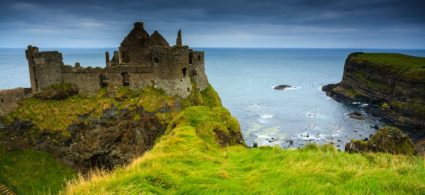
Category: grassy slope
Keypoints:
(409, 67)
(187, 160)
(31, 172)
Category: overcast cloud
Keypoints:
(218, 23)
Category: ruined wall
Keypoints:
(197, 69)
(143, 60)
(10, 98)
(45, 68)
(90, 80)
(172, 70)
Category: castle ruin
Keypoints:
(141, 60)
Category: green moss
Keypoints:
(388, 140)
(57, 115)
(414, 106)
(206, 97)
(408, 67)
(210, 97)
(209, 122)
(362, 79)
(31, 172)
(57, 91)
(188, 160)
(384, 106)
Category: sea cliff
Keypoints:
(392, 84)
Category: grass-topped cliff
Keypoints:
(405, 66)
(189, 159)
(393, 83)
(102, 131)
(184, 146)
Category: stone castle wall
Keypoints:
(10, 98)
(142, 60)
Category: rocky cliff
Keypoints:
(102, 131)
(392, 84)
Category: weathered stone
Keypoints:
(57, 91)
(10, 98)
(387, 139)
(142, 60)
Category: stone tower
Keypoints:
(45, 68)
(179, 39)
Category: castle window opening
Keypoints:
(199, 57)
(1, 101)
(156, 60)
(103, 81)
(190, 58)
(184, 70)
(125, 79)
(35, 76)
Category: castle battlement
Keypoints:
(142, 60)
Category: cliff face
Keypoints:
(393, 85)
(102, 131)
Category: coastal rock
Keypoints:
(387, 139)
(281, 87)
(356, 115)
(392, 84)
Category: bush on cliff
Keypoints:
(387, 139)
(189, 159)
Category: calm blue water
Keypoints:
(244, 79)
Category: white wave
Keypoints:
(266, 116)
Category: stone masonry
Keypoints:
(141, 60)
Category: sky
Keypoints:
(216, 23)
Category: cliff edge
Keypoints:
(392, 84)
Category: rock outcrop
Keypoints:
(103, 131)
(387, 139)
(392, 84)
(112, 140)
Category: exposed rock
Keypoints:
(281, 87)
(113, 140)
(392, 84)
(387, 139)
(356, 115)
(57, 91)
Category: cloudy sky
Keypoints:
(217, 23)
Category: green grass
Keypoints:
(409, 67)
(189, 160)
(31, 172)
(57, 115)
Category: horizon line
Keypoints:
(373, 48)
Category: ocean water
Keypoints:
(244, 78)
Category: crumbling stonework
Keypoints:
(10, 98)
(142, 60)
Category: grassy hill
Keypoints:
(192, 159)
(31, 172)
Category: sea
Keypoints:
(245, 80)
